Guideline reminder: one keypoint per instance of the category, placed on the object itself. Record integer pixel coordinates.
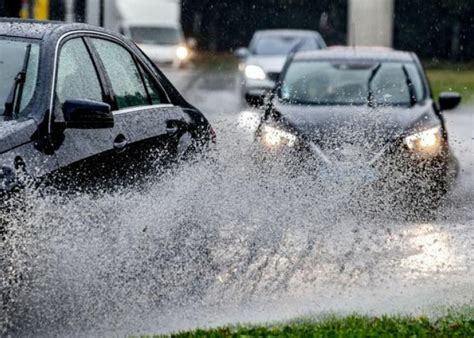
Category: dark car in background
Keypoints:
(81, 105)
(262, 63)
(362, 114)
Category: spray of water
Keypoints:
(222, 239)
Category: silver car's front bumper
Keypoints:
(257, 88)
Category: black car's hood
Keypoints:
(331, 127)
(15, 133)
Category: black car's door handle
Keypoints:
(172, 130)
(120, 143)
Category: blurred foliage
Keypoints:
(433, 29)
(438, 29)
(227, 24)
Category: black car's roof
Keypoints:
(356, 54)
(35, 29)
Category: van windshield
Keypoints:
(16, 57)
(156, 35)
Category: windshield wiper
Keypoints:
(369, 84)
(411, 87)
(12, 104)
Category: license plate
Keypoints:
(348, 174)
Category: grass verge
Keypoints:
(452, 79)
(460, 324)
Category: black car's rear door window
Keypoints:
(123, 73)
(77, 77)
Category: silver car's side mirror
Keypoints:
(242, 53)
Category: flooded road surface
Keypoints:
(220, 241)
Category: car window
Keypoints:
(123, 73)
(13, 56)
(156, 95)
(77, 76)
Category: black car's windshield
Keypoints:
(12, 62)
(283, 45)
(349, 83)
(156, 35)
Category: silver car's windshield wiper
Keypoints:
(374, 72)
(411, 87)
(12, 104)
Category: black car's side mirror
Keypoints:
(449, 100)
(87, 114)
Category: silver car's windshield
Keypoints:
(349, 83)
(283, 45)
(12, 63)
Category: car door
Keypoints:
(152, 125)
(84, 155)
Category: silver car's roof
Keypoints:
(285, 32)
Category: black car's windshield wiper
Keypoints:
(12, 104)
(411, 87)
(369, 84)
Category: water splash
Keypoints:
(218, 239)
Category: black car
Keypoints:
(362, 114)
(81, 105)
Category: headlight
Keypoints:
(427, 140)
(182, 53)
(254, 73)
(273, 137)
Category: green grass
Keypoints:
(460, 324)
(455, 79)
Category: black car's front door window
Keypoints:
(77, 77)
(123, 73)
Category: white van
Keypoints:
(155, 25)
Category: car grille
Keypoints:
(273, 76)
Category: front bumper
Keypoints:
(392, 167)
(257, 88)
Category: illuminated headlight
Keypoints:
(182, 53)
(254, 73)
(427, 140)
(273, 137)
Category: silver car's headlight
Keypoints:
(254, 72)
(274, 137)
(425, 141)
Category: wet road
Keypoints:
(218, 242)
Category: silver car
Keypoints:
(261, 63)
